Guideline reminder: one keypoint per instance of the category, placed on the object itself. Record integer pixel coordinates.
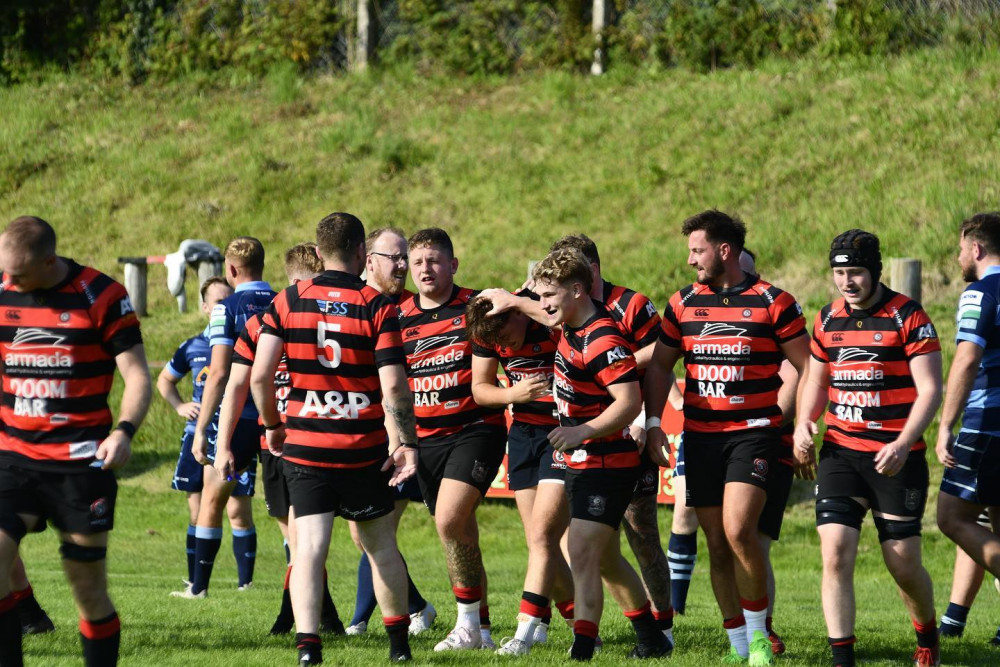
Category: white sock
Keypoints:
(526, 627)
(468, 615)
(738, 638)
(756, 622)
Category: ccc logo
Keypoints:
(701, 312)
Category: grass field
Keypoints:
(905, 147)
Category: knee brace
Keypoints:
(70, 551)
(890, 529)
(13, 525)
(840, 510)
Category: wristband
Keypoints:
(126, 427)
(271, 428)
(652, 422)
(411, 445)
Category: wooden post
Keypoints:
(531, 266)
(904, 276)
(600, 18)
(364, 45)
(206, 270)
(135, 282)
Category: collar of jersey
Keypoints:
(253, 284)
(748, 282)
(990, 270)
(860, 313)
(455, 289)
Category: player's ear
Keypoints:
(454, 265)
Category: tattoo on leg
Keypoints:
(643, 536)
(465, 564)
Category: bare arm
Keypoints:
(166, 384)
(657, 387)
(796, 364)
(812, 399)
(487, 394)
(116, 449)
(397, 400)
(676, 396)
(926, 372)
(265, 363)
(961, 377)
(504, 301)
(644, 356)
(626, 401)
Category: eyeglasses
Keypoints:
(395, 259)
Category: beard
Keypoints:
(713, 271)
(969, 273)
(389, 286)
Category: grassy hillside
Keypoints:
(905, 147)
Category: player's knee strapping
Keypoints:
(14, 526)
(840, 510)
(70, 551)
(892, 529)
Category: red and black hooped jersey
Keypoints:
(868, 355)
(588, 361)
(439, 366)
(535, 357)
(337, 333)
(731, 341)
(633, 314)
(244, 352)
(59, 347)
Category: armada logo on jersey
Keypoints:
(38, 348)
(720, 331)
(701, 312)
(856, 355)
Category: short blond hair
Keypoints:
(302, 260)
(246, 252)
(563, 266)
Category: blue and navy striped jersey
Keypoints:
(979, 323)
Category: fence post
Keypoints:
(365, 38)
(904, 276)
(135, 282)
(600, 19)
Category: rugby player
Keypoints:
(971, 479)
(526, 351)
(192, 357)
(244, 269)
(69, 327)
(733, 330)
(461, 443)
(301, 263)
(385, 271)
(638, 323)
(876, 360)
(345, 364)
(965, 584)
(597, 397)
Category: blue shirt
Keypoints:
(979, 323)
(192, 357)
(229, 318)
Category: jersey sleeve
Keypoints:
(117, 320)
(788, 320)
(388, 339)
(643, 321)
(977, 313)
(483, 351)
(271, 321)
(246, 345)
(612, 362)
(221, 326)
(178, 366)
(919, 334)
(670, 324)
(816, 346)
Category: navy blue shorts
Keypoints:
(679, 458)
(976, 475)
(530, 457)
(408, 490)
(188, 473)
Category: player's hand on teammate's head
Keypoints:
(502, 300)
(115, 450)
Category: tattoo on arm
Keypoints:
(402, 412)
